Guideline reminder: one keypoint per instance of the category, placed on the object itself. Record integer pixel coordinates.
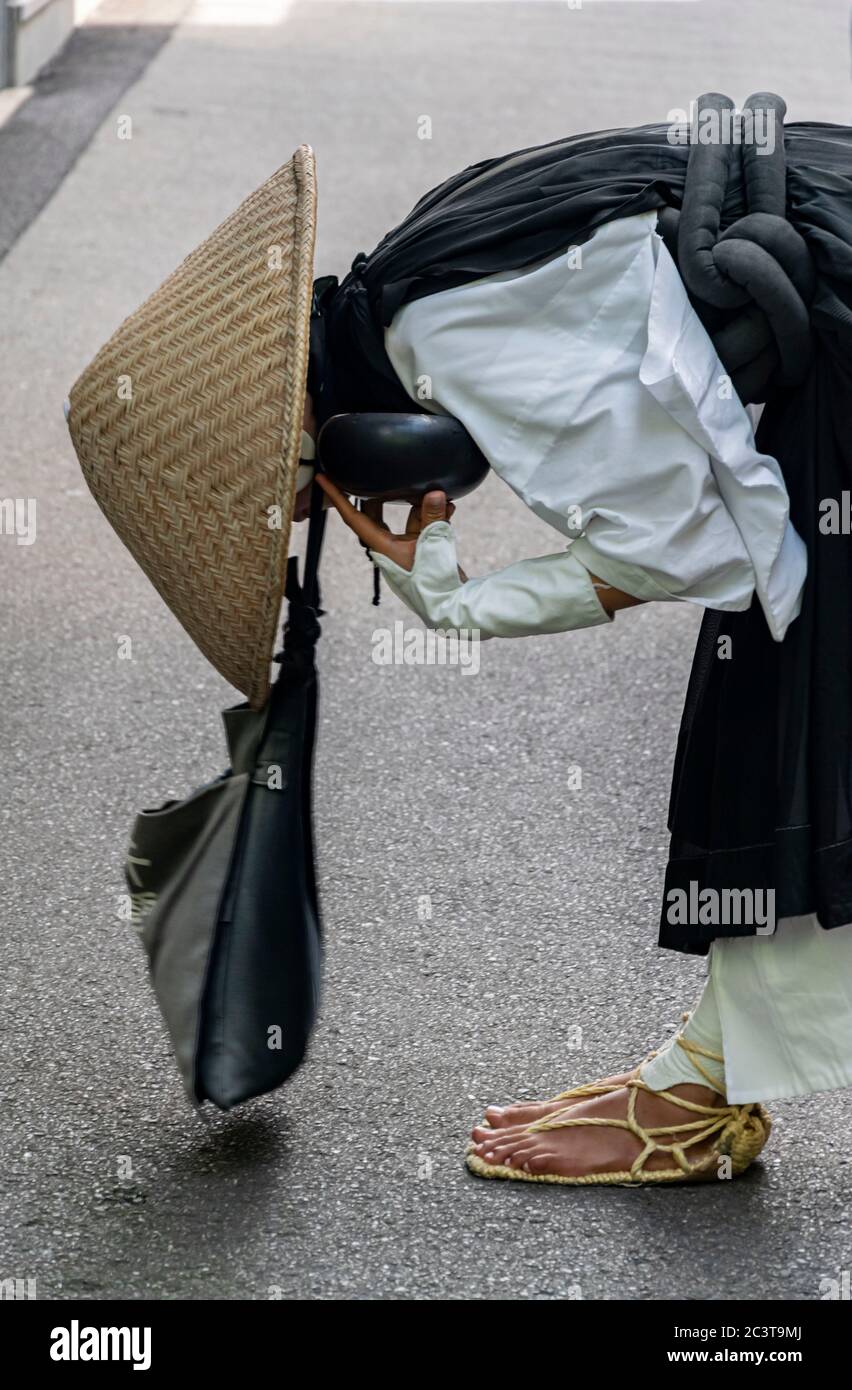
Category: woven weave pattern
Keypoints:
(187, 468)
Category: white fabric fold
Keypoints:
(551, 593)
(684, 373)
(785, 1003)
(305, 471)
(591, 387)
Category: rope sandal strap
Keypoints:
(714, 1119)
(598, 1088)
(693, 1051)
(589, 1089)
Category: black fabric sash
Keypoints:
(509, 212)
(762, 787)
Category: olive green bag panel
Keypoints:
(177, 870)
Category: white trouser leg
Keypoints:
(785, 1004)
(673, 1065)
(778, 1009)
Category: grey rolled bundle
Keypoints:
(760, 265)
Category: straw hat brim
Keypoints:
(188, 424)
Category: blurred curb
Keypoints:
(45, 127)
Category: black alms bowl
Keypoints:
(396, 457)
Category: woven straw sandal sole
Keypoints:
(481, 1169)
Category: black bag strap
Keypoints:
(302, 628)
(316, 532)
(307, 594)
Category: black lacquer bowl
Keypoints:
(400, 457)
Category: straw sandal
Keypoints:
(740, 1133)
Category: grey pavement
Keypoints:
(71, 95)
(349, 1182)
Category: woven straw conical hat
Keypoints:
(188, 424)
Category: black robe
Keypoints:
(762, 787)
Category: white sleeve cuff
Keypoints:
(551, 593)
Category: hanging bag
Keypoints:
(223, 885)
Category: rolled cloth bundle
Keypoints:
(762, 787)
(754, 260)
(760, 265)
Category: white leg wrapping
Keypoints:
(672, 1065)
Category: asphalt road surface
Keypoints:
(538, 966)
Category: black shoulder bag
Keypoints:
(223, 886)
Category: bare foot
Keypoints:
(579, 1150)
(527, 1112)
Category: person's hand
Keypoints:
(372, 530)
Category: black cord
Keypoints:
(377, 586)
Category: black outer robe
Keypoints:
(762, 785)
